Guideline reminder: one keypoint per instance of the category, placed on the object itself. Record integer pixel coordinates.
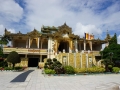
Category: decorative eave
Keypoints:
(19, 34)
(34, 34)
(48, 29)
(65, 29)
(7, 32)
(100, 41)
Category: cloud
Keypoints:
(2, 28)
(92, 16)
(10, 10)
(118, 39)
(91, 29)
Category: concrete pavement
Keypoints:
(38, 81)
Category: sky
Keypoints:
(83, 16)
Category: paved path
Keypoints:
(37, 81)
(22, 77)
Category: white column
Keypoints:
(84, 45)
(76, 46)
(91, 45)
(70, 51)
(29, 42)
(49, 47)
(38, 41)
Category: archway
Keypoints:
(64, 45)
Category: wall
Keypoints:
(78, 60)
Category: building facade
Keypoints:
(54, 42)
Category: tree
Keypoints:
(111, 53)
(113, 40)
(13, 58)
(3, 40)
(1, 53)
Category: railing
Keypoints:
(24, 50)
(19, 50)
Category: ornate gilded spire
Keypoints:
(108, 37)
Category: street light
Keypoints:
(111, 55)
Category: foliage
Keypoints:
(18, 68)
(5, 39)
(116, 69)
(1, 68)
(111, 54)
(80, 70)
(13, 58)
(54, 65)
(1, 52)
(69, 70)
(54, 59)
(90, 70)
(3, 64)
(8, 68)
(49, 71)
(113, 40)
(49, 60)
(95, 70)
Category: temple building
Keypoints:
(55, 42)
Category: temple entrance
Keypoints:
(33, 62)
(64, 45)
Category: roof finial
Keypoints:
(65, 23)
(107, 31)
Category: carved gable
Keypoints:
(34, 34)
(64, 31)
(65, 35)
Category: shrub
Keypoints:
(8, 68)
(54, 65)
(49, 60)
(13, 58)
(3, 64)
(116, 69)
(80, 70)
(49, 71)
(69, 70)
(45, 66)
(18, 68)
(54, 59)
(1, 68)
(109, 66)
(90, 70)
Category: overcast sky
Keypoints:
(90, 16)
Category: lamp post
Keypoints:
(111, 55)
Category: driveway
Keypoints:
(37, 81)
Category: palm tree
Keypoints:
(3, 40)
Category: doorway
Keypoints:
(33, 62)
(64, 45)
